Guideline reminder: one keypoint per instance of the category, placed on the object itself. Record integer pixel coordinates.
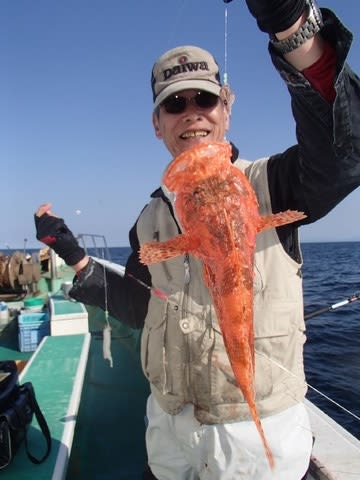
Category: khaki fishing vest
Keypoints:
(182, 351)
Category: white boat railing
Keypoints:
(94, 245)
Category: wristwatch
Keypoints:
(307, 30)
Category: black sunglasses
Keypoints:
(177, 103)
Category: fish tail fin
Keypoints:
(254, 414)
(278, 219)
(268, 452)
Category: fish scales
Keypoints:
(218, 212)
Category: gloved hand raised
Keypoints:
(53, 232)
(274, 16)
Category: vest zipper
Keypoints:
(184, 314)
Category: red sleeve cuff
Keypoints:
(321, 74)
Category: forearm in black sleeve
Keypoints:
(319, 172)
(127, 296)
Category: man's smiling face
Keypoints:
(194, 125)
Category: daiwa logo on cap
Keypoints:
(181, 68)
(185, 66)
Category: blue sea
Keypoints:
(331, 273)
(332, 351)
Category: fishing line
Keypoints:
(225, 44)
(308, 384)
(161, 294)
(330, 308)
(156, 291)
(107, 328)
(226, 94)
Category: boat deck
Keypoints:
(109, 441)
(56, 371)
(336, 453)
(109, 438)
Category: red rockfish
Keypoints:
(218, 213)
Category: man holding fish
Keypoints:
(223, 327)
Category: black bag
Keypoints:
(17, 406)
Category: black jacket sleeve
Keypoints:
(127, 295)
(324, 167)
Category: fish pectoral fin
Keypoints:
(154, 252)
(278, 219)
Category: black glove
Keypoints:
(53, 232)
(274, 16)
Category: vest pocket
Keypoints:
(270, 341)
(278, 347)
(153, 345)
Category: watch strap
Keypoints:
(307, 30)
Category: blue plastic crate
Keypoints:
(33, 327)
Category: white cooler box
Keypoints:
(67, 317)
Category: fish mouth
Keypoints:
(194, 134)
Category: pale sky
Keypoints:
(75, 116)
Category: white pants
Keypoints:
(180, 448)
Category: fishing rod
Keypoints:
(331, 308)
